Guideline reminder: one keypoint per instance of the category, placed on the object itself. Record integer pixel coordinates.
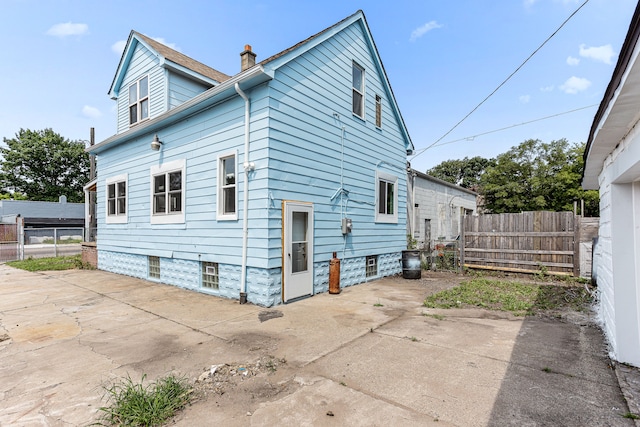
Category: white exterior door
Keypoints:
(297, 225)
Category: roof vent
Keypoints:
(247, 58)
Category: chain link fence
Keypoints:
(52, 242)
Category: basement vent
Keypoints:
(154, 267)
(210, 275)
(372, 266)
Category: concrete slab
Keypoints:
(368, 355)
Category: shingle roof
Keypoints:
(181, 59)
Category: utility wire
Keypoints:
(472, 137)
(508, 78)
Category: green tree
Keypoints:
(537, 176)
(44, 165)
(465, 173)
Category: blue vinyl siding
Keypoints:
(305, 148)
(182, 89)
(143, 62)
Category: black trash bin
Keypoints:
(411, 264)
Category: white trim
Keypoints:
(386, 218)
(168, 218)
(220, 215)
(117, 218)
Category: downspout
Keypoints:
(248, 166)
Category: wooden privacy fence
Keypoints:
(527, 242)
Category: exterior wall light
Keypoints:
(156, 144)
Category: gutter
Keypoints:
(248, 167)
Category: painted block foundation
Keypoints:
(264, 286)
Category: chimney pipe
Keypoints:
(247, 58)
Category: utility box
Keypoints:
(346, 225)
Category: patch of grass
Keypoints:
(631, 416)
(547, 369)
(378, 304)
(435, 316)
(50, 264)
(515, 297)
(134, 404)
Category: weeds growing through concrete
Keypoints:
(134, 404)
(631, 416)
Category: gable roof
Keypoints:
(618, 110)
(296, 50)
(257, 74)
(171, 58)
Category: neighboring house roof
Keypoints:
(441, 182)
(618, 111)
(259, 73)
(171, 58)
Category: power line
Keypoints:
(472, 137)
(507, 79)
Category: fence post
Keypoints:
(55, 242)
(576, 245)
(461, 242)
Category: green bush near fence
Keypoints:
(49, 240)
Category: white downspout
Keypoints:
(248, 166)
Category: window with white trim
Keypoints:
(386, 198)
(227, 187)
(139, 101)
(168, 193)
(357, 81)
(116, 196)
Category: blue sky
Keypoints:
(442, 58)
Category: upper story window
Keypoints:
(139, 101)
(358, 90)
(167, 193)
(116, 199)
(378, 111)
(227, 187)
(386, 198)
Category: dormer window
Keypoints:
(139, 101)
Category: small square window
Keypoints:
(210, 275)
(372, 266)
(154, 267)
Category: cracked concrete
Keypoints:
(368, 356)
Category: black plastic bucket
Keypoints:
(411, 264)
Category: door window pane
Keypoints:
(299, 257)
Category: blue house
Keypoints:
(244, 186)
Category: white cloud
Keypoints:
(525, 99)
(547, 88)
(421, 31)
(68, 29)
(118, 47)
(600, 53)
(575, 84)
(91, 112)
(573, 61)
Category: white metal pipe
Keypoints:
(247, 167)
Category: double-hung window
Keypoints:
(357, 79)
(139, 101)
(227, 187)
(167, 193)
(116, 196)
(386, 198)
